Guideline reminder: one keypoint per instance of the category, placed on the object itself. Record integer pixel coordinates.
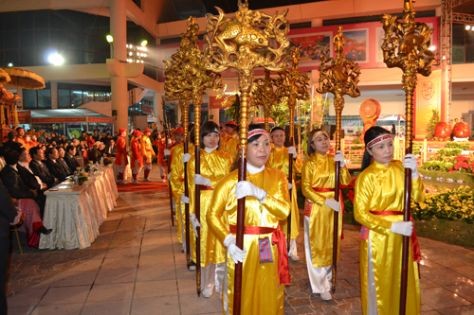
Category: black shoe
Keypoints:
(45, 231)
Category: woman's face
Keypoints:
(211, 140)
(278, 138)
(320, 142)
(258, 151)
(382, 152)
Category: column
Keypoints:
(54, 94)
(158, 108)
(118, 29)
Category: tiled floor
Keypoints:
(136, 267)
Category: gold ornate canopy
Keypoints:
(4, 76)
(25, 79)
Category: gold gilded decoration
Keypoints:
(340, 77)
(264, 95)
(249, 40)
(293, 85)
(405, 46)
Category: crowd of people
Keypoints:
(378, 206)
(33, 165)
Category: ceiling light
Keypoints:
(109, 38)
(467, 27)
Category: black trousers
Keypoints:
(4, 253)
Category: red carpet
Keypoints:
(143, 186)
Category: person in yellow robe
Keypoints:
(176, 179)
(214, 165)
(378, 207)
(266, 204)
(279, 159)
(317, 185)
(229, 141)
(148, 153)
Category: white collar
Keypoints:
(209, 150)
(253, 169)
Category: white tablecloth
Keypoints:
(75, 212)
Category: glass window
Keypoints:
(29, 99)
(44, 98)
(64, 98)
(76, 98)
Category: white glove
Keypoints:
(184, 199)
(17, 218)
(167, 152)
(237, 254)
(201, 180)
(194, 222)
(292, 151)
(410, 162)
(245, 188)
(290, 185)
(186, 157)
(403, 228)
(339, 157)
(333, 204)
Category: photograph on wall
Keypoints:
(311, 46)
(356, 45)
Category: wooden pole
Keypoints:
(339, 105)
(245, 79)
(197, 188)
(406, 200)
(186, 187)
(291, 105)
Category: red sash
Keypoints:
(278, 239)
(415, 245)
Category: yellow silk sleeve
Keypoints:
(307, 174)
(223, 194)
(278, 203)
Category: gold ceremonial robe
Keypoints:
(147, 150)
(262, 292)
(380, 188)
(279, 159)
(214, 166)
(230, 144)
(318, 173)
(177, 185)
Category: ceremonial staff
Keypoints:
(293, 85)
(198, 79)
(176, 90)
(264, 94)
(406, 46)
(249, 40)
(338, 76)
(167, 157)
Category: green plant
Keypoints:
(454, 204)
(430, 129)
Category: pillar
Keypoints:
(118, 29)
(54, 94)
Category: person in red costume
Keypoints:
(121, 155)
(137, 154)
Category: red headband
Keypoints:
(379, 139)
(256, 132)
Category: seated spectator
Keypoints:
(71, 159)
(11, 144)
(53, 165)
(25, 197)
(62, 162)
(31, 180)
(95, 153)
(39, 168)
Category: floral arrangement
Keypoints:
(454, 204)
(451, 159)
